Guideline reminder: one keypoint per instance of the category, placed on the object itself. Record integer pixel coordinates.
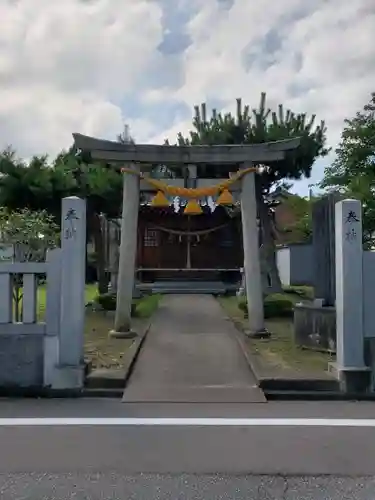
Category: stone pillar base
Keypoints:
(68, 377)
(123, 335)
(261, 334)
(352, 379)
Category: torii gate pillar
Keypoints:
(128, 250)
(253, 278)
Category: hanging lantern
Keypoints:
(193, 208)
(160, 200)
(225, 198)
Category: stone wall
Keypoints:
(21, 360)
(315, 327)
(295, 264)
(283, 264)
(48, 354)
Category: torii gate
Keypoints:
(134, 155)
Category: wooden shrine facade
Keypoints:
(175, 246)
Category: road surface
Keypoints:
(105, 449)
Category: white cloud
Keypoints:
(67, 66)
(334, 41)
(325, 64)
(64, 65)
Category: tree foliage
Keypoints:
(353, 171)
(355, 155)
(301, 208)
(29, 233)
(41, 184)
(263, 125)
(97, 182)
(26, 236)
(254, 126)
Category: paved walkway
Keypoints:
(191, 355)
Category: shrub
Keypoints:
(305, 292)
(107, 301)
(278, 306)
(275, 306)
(134, 309)
(242, 305)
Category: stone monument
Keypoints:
(350, 368)
(323, 221)
(315, 323)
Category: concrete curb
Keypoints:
(284, 389)
(100, 387)
(302, 385)
(103, 393)
(39, 393)
(46, 393)
(108, 383)
(317, 396)
(287, 388)
(134, 359)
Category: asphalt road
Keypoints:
(115, 486)
(294, 461)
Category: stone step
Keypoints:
(190, 287)
(187, 291)
(184, 284)
(197, 394)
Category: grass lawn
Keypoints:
(280, 352)
(147, 305)
(101, 350)
(106, 352)
(90, 294)
(302, 292)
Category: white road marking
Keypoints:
(188, 422)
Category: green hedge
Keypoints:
(305, 292)
(108, 302)
(275, 305)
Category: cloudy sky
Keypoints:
(90, 66)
